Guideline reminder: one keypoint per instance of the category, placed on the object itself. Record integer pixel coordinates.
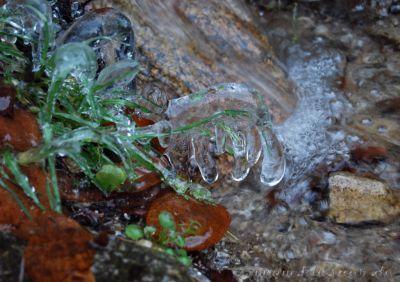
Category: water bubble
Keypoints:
(382, 129)
(367, 122)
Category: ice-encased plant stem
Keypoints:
(79, 61)
(241, 127)
(31, 20)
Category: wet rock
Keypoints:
(122, 261)
(191, 45)
(213, 220)
(376, 127)
(395, 8)
(21, 130)
(386, 28)
(109, 32)
(58, 249)
(11, 258)
(7, 98)
(355, 200)
(57, 246)
(369, 154)
(10, 212)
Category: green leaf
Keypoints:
(169, 251)
(134, 232)
(149, 231)
(180, 241)
(167, 220)
(185, 260)
(20, 178)
(109, 177)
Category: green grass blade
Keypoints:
(54, 184)
(16, 198)
(20, 178)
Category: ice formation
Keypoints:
(228, 118)
(107, 31)
(31, 20)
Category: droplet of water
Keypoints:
(274, 163)
(77, 9)
(375, 93)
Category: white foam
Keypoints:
(304, 134)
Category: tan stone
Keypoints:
(355, 199)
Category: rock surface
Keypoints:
(123, 261)
(190, 45)
(11, 255)
(355, 199)
(21, 130)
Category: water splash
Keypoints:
(228, 118)
(305, 133)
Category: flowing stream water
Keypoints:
(326, 87)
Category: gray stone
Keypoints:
(11, 258)
(124, 261)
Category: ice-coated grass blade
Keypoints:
(20, 178)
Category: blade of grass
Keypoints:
(16, 198)
(54, 184)
(20, 178)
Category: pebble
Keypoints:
(356, 200)
(7, 98)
